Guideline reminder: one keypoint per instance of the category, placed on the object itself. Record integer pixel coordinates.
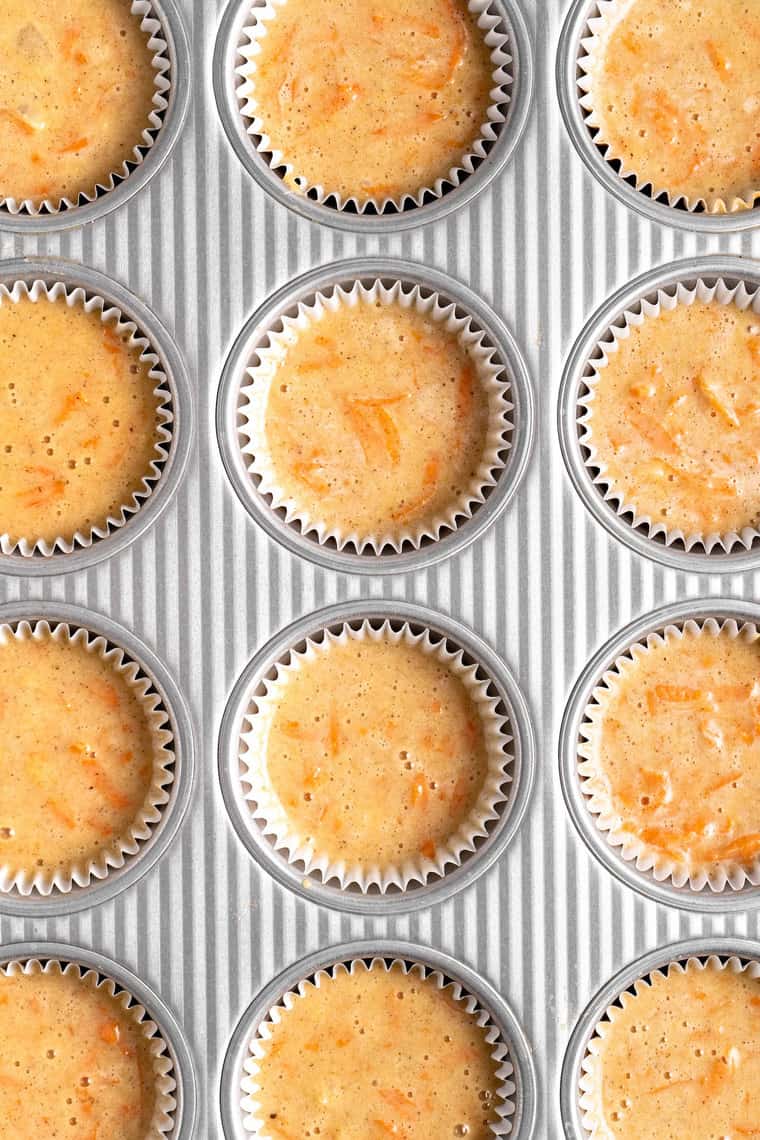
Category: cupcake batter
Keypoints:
(675, 749)
(374, 1054)
(73, 1064)
(678, 98)
(78, 755)
(681, 1059)
(376, 752)
(76, 92)
(675, 418)
(78, 420)
(372, 100)
(376, 420)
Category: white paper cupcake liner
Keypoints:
(505, 1106)
(270, 814)
(666, 299)
(150, 24)
(589, 62)
(731, 875)
(589, 1087)
(490, 374)
(162, 1121)
(82, 873)
(30, 546)
(488, 20)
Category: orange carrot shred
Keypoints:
(17, 120)
(73, 147)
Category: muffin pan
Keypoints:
(217, 916)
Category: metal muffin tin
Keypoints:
(178, 99)
(227, 58)
(180, 404)
(524, 1076)
(352, 899)
(705, 901)
(185, 1094)
(722, 947)
(578, 366)
(36, 905)
(285, 301)
(568, 71)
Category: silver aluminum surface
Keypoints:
(352, 899)
(524, 1077)
(185, 1114)
(50, 270)
(625, 870)
(170, 14)
(227, 58)
(303, 289)
(205, 588)
(36, 905)
(578, 367)
(723, 947)
(567, 71)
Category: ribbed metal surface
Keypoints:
(205, 589)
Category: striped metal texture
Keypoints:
(204, 246)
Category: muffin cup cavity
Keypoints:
(31, 547)
(29, 881)
(489, 371)
(272, 816)
(156, 43)
(666, 300)
(504, 1073)
(596, 32)
(163, 1119)
(490, 22)
(589, 1107)
(729, 875)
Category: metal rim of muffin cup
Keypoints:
(227, 58)
(181, 405)
(163, 833)
(723, 947)
(352, 899)
(174, 32)
(579, 365)
(177, 1048)
(520, 1053)
(567, 73)
(705, 901)
(255, 333)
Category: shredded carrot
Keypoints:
(292, 728)
(715, 401)
(73, 147)
(17, 120)
(306, 471)
(109, 694)
(717, 58)
(91, 442)
(429, 478)
(753, 344)
(428, 848)
(743, 848)
(731, 778)
(60, 814)
(420, 793)
(72, 402)
(390, 433)
(652, 432)
(396, 1099)
(334, 734)
(110, 1032)
(390, 1129)
(466, 390)
(644, 390)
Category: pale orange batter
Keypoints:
(78, 754)
(375, 1054)
(78, 420)
(73, 1064)
(376, 752)
(76, 92)
(376, 420)
(678, 97)
(372, 100)
(675, 749)
(675, 418)
(680, 1061)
